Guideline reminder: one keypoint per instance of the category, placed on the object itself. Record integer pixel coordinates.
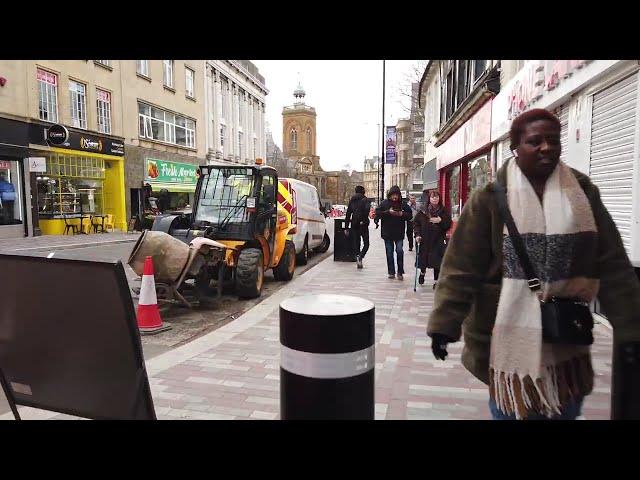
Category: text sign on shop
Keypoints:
(37, 164)
(170, 172)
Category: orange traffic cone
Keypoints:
(149, 320)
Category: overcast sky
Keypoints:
(347, 96)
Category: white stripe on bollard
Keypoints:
(327, 365)
(147, 291)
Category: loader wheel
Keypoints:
(249, 273)
(287, 266)
(303, 257)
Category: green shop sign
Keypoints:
(160, 171)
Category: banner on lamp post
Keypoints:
(390, 146)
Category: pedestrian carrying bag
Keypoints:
(565, 321)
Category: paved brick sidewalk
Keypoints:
(61, 242)
(233, 372)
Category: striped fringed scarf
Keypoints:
(527, 375)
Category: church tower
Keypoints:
(299, 140)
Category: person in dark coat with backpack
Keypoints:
(394, 214)
(430, 228)
(358, 216)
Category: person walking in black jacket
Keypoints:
(431, 225)
(394, 216)
(358, 215)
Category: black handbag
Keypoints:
(565, 321)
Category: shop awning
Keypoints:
(172, 187)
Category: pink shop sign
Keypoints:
(537, 78)
(474, 134)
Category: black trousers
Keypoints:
(436, 273)
(356, 234)
(410, 234)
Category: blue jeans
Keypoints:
(570, 412)
(389, 246)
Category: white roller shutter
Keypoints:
(562, 113)
(613, 127)
(505, 153)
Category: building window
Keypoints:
(188, 79)
(78, 104)
(308, 139)
(103, 101)
(479, 67)
(142, 67)
(294, 139)
(48, 96)
(255, 142)
(462, 82)
(240, 141)
(167, 76)
(224, 87)
(104, 63)
(223, 130)
(158, 124)
(241, 108)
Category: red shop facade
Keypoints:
(465, 161)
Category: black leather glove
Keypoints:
(439, 345)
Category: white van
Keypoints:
(307, 213)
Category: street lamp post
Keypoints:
(378, 197)
(381, 179)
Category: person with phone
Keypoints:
(394, 214)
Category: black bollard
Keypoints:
(327, 358)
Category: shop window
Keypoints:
(479, 67)
(72, 184)
(189, 77)
(453, 195)
(103, 102)
(78, 104)
(142, 67)
(48, 96)
(478, 174)
(10, 205)
(167, 76)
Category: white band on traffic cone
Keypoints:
(148, 291)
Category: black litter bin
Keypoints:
(342, 246)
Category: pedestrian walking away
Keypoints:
(431, 225)
(394, 215)
(566, 236)
(410, 224)
(358, 216)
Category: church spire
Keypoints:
(299, 93)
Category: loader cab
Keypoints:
(236, 202)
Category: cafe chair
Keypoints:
(69, 226)
(108, 223)
(97, 223)
(86, 225)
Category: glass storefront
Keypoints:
(478, 174)
(453, 195)
(72, 184)
(11, 212)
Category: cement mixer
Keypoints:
(175, 262)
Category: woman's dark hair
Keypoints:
(521, 121)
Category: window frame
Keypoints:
(167, 73)
(139, 64)
(294, 139)
(105, 125)
(190, 93)
(81, 108)
(51, 90)
(168, 124)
